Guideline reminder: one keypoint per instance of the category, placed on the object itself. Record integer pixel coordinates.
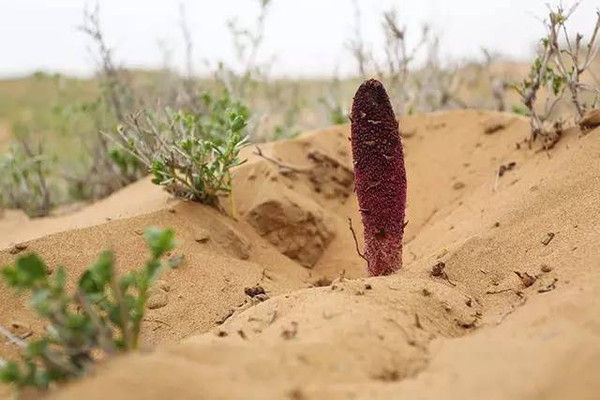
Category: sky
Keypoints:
(303, 37)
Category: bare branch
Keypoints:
(283, 167)
(356, 241)
(92, 27)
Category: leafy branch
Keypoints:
(190, 154)
(101, 318)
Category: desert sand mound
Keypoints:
(138, 198)
(498, 297)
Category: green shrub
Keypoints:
(520, 110)
(190, 154)
(102, 317)
(23, 182)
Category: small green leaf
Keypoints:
(88, 284)
(76, 321)
(519, 109)
(95, 279)
(238, 123)
(160, 241)
(104, 267)
(126, 281)
(10, 373)
(59, 279)
(36, 348)
(114, 314)
(29, 271)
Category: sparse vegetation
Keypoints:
(101, 318)
(558, 67)
(191, 155)
(80, 163)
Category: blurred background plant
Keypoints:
(102, 133)
(559, 66)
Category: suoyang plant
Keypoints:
(190, 154)
(380, 177)
(102, 317)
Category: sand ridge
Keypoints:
(475, 331)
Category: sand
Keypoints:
(513, 314)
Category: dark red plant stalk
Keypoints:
(379, 176)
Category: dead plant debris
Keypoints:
(506, 167)
(548, 238)
(526, 278)
(254, 291)
(438, 271)
(290, 333)
(549, 287)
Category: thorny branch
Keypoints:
(114, 88)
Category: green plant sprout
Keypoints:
(101, 318)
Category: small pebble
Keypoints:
(546, 268)
(158, 299)
(254, 291)
(17, 248)
(458, 185)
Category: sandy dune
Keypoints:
(476, 332)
